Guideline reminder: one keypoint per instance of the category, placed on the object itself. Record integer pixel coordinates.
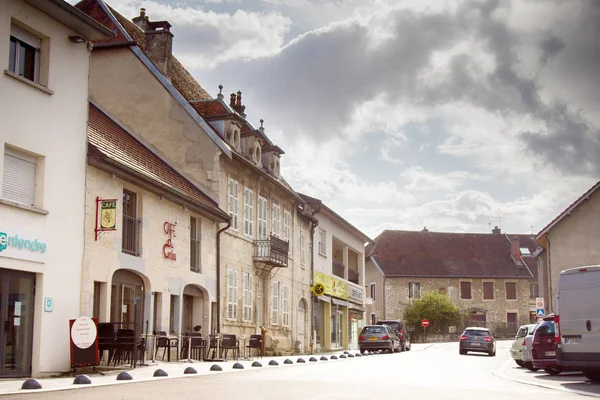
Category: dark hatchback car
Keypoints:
(478, 340)
(400, 330)
(542, 350)
(378, 337)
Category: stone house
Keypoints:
(568, 241)
(339, 265)
(262, 279)
(485, 275)
(44, 55)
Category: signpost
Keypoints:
(425, 323)
(539, 307)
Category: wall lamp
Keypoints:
(77, 39)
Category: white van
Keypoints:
(577, 320)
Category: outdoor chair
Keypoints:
(255, 342)
(230, 342)
(166, 343)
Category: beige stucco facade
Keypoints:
(374, 298)
(568, 244)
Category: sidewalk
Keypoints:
(146, 373)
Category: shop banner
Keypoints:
(333, 287)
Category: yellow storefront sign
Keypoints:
(333, 287)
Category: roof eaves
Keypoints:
(114, 20)
(190, 110)
(377, 265)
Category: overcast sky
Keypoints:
(454, 115)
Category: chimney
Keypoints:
(425, 229)
(235, 101)
(496, 230)
(515, 250)
(159, 41)
(232, 100)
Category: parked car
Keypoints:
(401, 332)
(378, 337)
(477, 339)
(577, 318)
(516, 350)
(526, 349)
(542, 352)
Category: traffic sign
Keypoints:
(539, 302)
(539, 312)
(425, 323)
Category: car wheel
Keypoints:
(519, 363)
(529, 366)
(553, 370)
(361, 350)
(462, 352)
(407, 348)
(592, 374)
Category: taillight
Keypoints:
(401, 334)
(361, 337)
(557, 329)
(488, 339)
(386, 337)
(464, 337)
(523, 344)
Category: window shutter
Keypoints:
(235, 297)
(19, 178)
(25, 36)
(249, 297)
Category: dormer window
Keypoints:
(236, 139)
(276, 169)
(256, 155)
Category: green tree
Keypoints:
(435, 307)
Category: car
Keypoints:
(577, 318)
(516, 350)
(542, 351)
(526, 348)
(400, 329)
(477, 339)
(378, 337)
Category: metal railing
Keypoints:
(353, 276)
(195, 255)
(273, 250)
(131, 235)
(338, 268)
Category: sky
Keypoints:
(453, 115)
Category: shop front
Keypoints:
(356, 312)
(331, 313)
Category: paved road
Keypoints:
(428, 372)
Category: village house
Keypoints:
(42, 179)
(485, 275)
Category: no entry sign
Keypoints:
(425, 323)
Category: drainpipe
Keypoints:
(219, 274)
(312, 282)
(550, 300)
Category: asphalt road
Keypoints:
(427, 372)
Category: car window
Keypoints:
(374, 329)
(522, 332)
(473, 332)
(546, 329)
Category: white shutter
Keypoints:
(275, 305)
(262, 218)
(25, 36)
(230, 294)
(249, 297)
(18, 182)
(235, 297)
(259, 301)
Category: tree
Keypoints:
(435, 307)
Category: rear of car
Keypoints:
(478, 340)
(577, 334)
(542, 350)
(400, 330)
(526, 350)
(378, 337)
(516, 349)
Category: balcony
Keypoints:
(272, 252)
(353, 276)
(338, 268)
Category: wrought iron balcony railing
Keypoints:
(338, 268)
(272, 251)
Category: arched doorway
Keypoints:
(301, 324)
(194, 317)
(127, 300)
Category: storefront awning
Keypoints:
(342, 303)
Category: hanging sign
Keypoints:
(106, 215)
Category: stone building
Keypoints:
(485, 275)
(568, 241)
(44, 54)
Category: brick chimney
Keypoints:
(235, 101)
(496, 230)
(515, 250)
(159, 41)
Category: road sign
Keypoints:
(539, 302)
(425, 323)
(539, 312)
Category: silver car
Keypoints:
(516, 350)
(526, 355)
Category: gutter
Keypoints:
(219, 274)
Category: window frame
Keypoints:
(195, 240)
(233, 202)
(263, 218)
(286, 305)
(287, 225)
(248, 212)
(533, 294)
(302, 249)
(31, 160)
(22, 38)
(247, 297)
(506, 284)
(232, 294)
(411, 286)
(483, 290)
(275, 297)
(372, 290)
(322, 244)
(470, 290)
(259, 300)
(276, 219)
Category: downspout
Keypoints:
(219, 274)
(312, 282)
(550, 300)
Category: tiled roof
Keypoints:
(436, 254)
(93, 9)
(209, 108)
(118, 145)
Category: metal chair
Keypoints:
(164, 342)
(197, 346)
(255, 342)
(230, 342)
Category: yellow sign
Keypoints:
(318, 289)
(108, 215)
(333, 287)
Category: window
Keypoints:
(232, 294)
(276, 220)
(511, 290)
(512, 322)
(19, 177)
(174, 314)
(322, 243)
(275, 300)
(195, 245)
(131, 224)
(414, 290)
(259, 301)
(262, 218)
(488, 290)
(24, 55)
(302, 249)
(247, 297)
(465, 290)
(248, 212)
(233, 203)
(373, 291)
(287, 222)
(286, 305)
(534, 290)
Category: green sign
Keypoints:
(108, 214)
